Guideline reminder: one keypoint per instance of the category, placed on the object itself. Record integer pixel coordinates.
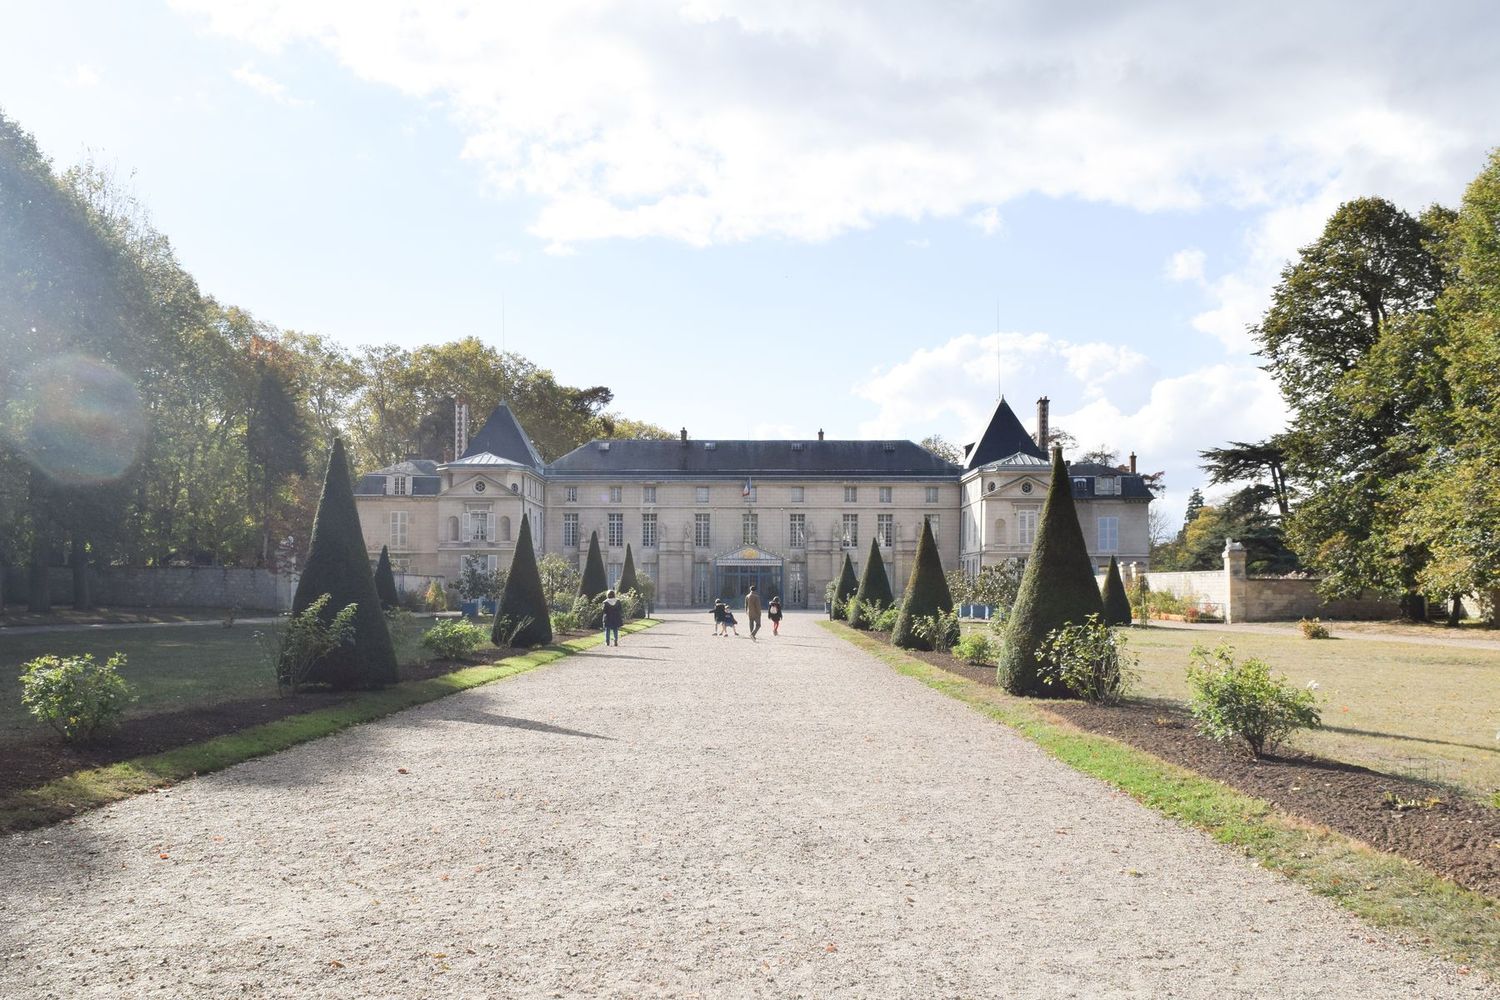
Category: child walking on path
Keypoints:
(719, 612)
(773, 612)
(730, 623)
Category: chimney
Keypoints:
(1041, 422)
(1132, 463)
(820, 433)
(684, 435)
(460, 427)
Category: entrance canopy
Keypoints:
(737, 571)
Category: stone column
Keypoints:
(1236, 583)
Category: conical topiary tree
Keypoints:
(339, 566)
(595, 581)
(385, 580)
(1057, 589)
(1116, 601)
(847, 587)
(523, 598)
(927, 593)
(874, 588)
(628, 581)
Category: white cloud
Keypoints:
(82, 77)
(1102, 394)
(716, 121)
(988, 221)
(1186, 265)
(263, 85)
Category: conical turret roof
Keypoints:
(1003, 438)
(503, 437)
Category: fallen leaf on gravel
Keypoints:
(440, 954)
(442, 878)
(162, 856)
(831, 947)
(402, 770)
(334, 963)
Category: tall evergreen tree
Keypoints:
(1057, 589)
(595, 581)
(927, 593)
(385, 580)
(523, 598)
(874, 589)
(628, 581)
(1116, 602)
(338, 565)
(848, 585)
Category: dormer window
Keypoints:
(398, 486)
(1107, 486)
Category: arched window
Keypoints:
(505, 529)
(452, 529)
(999, 531)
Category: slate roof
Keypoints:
(1003, 438)
(421, 475)
(753, 459)
(1132, 485)
(503, 437)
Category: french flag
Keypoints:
(746, 490)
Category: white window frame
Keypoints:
(1109, 533)
(797, 494)
(797, 531)
(885, 529)
(700, 494)
(398, 486)
(1026, 524)
(750, 528)
(570, 530)
(851, 494)
(702, 530)
(617, 494)
(648, 531)
(479, 524)
(1107, 486)
(885, 494)
(932, 494)
(850, 531)
(398, 529)
(648, 494)
(570, 494)
(615, 530)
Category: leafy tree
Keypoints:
(874, 589)
(1057, 588)
(943, 448)
(560, 581)
(338, 566)
(848, 586)
(275, 446)
(1102, 455)
(522, 617)
(1116, 603)
(1240, 461)
(927, 597)
(385, 580)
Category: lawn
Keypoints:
(170, 666)
(1429, 712)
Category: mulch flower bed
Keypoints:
(42, 758)
(1436, 827)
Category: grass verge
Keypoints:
(1388, 891)
(88, 789)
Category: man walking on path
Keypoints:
(752, 611)
(614, 617)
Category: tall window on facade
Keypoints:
(616, 494)
(885, 529)
(750, 529)
(700, 494)
(851, 530)
(851, 494)
(570, 494)
(796, 585)
(797, 494)
(1109, 534)
(648, 494)
(1025, 526)
(648, 531)
(932, 494)
(398, 529)
(616, 530)
(701, 536)
(477, 521)
(797, 531)
(885, 494)
(398, 485)
(570, 529)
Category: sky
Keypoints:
(762, 219)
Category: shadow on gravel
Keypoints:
(511, 722)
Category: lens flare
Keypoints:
(76, 419)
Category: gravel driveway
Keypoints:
(682, 816)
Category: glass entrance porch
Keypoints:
(736, 572)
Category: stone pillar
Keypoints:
(1236, 583)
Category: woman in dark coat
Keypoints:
(773, 612)
(614, 617)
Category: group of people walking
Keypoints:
(725, 622)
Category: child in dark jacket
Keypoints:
(729, 622)
(719, 612)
